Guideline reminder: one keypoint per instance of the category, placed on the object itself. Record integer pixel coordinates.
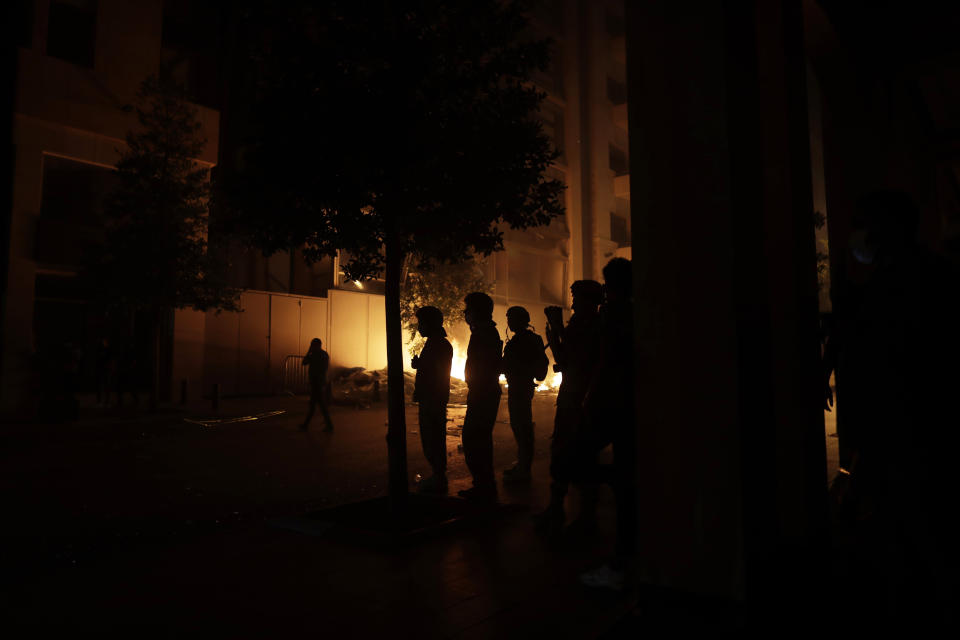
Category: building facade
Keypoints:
(78, 62)
(585, 115)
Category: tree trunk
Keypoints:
(396, 416)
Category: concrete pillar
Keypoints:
(731, 444)
(595, 126)
(577, 218)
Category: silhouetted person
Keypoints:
(898, 373)
(576, 351)
(846, 308)
(611, 419)
(318, 363)
(482, 373)
(431, 392)
(524, 361)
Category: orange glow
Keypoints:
(459, 360)
(551, 383)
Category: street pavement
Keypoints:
(127, 523)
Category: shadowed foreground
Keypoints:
(161, 527)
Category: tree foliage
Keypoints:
(397, 133)
(823, 256)
(444, 288)
(375, 117)
(156, 254)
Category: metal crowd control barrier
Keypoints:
(294, 375)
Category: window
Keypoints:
(524, 274)
(616, 91)
(619, 231)
(188, 44)
(616, 26)
(550, 14)
(72, 30)
(551, 280)
(72, 201)
(618, 161)
(74, 191)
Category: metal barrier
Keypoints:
(294, 375)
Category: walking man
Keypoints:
(482, 373)
(431, 392)
(318, 362)
(524, 361)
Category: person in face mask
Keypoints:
(897, 376)
(885, 228)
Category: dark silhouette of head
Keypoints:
(478, 307)
(429, 321)
(587, 296)
(618, 279)
(885, 223)
(518, 318)
(316, 344)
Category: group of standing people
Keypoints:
(594, 354)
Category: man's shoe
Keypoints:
(550, 520)
(433, 484)
(604, 577)
(516, 475)
(582, 527)
(478, 494)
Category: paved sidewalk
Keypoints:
(154, 526)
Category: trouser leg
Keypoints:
(433, 437)
(562, 450)
(625, 486)
(325, 412)
(478, 426)
(582, 467)
(614, 427)
(521, 423)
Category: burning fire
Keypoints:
(552, 382)
(460, 360)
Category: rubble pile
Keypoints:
(359, 386)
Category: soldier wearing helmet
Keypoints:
(524, 361)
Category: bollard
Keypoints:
(215, 396)
(183, 391)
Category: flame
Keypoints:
(459, 361)
(552, 382)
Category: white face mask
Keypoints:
(864, 251)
